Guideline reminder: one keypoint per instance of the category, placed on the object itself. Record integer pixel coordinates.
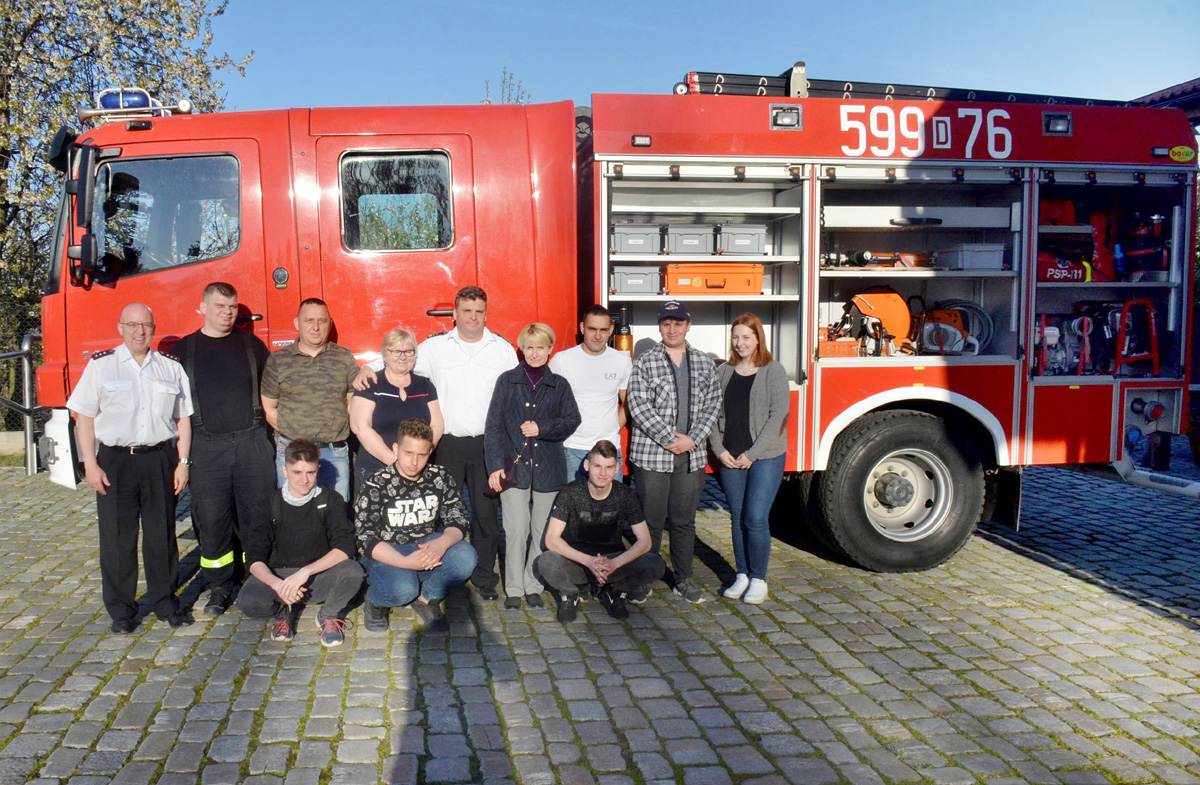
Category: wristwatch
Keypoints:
(186, 461)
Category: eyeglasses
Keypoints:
(401, 352)
(138, 327)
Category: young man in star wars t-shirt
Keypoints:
(412, 528)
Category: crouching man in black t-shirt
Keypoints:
(583, 539)
(304, 554)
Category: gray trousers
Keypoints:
(336, 587)
(524, 530)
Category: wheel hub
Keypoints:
(893, 490)
(908, 495)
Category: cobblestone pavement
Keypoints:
(1069, 652)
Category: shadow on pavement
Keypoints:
(1140, 544)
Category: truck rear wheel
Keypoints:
(902, 492)
(807, 486)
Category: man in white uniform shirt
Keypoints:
(463, 365)
(599, 377)
(135, 403)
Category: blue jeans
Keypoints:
(390, 587)
(333, 471)
(751, 492)
(575, 463)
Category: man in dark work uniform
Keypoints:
(233, 472)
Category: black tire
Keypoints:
(807, 487)
(903, 491)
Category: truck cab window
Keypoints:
(152, 214)
(396, 201)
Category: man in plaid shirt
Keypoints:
(674, 398)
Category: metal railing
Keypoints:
(26, 409)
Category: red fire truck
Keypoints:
(959, 285)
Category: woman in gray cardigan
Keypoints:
(750, 440)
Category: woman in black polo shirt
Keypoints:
(395, 396)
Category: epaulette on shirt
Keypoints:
(104, 353)
(171, 357)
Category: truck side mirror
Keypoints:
(84, 259)
(85, 185)
(60, 148)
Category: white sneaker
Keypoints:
(756, 593)
(738, 588)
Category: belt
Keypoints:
(227, 435)
(319, 445)
(138, 449)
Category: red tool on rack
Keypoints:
(1137, 342)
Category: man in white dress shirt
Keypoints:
(132, 405)
(463, 365)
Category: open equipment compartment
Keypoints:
(1110, 272)
(730, 242)
(947, 240)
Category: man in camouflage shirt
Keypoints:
(306, 390)
(412, 528)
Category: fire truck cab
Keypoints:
(956, 289)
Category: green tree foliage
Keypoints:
(403, 225)
(54, 56)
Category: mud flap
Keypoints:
(1002, 503)
(56, 449)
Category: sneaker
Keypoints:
(568, 607)
(282, 630)
(487, 593)
(534, 601)
(512, 603)
(738, 588)
(756, 593)
(375, 619)
(429, 614)
(218, 601)
(639, 595)
(331, 631)
(690, 591)
(614, 603)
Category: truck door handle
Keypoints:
(254, 317)
(440, 312)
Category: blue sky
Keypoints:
(366, 52)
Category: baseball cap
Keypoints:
(674, 309)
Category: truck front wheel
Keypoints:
(903, 491)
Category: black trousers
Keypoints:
(232, 479)
(462, 456)
(335, 587)
(674, 495)
(568, 577)
(141, 487)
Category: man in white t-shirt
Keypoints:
(599, 377)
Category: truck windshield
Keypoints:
(157, 213)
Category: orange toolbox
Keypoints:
(708, 278)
